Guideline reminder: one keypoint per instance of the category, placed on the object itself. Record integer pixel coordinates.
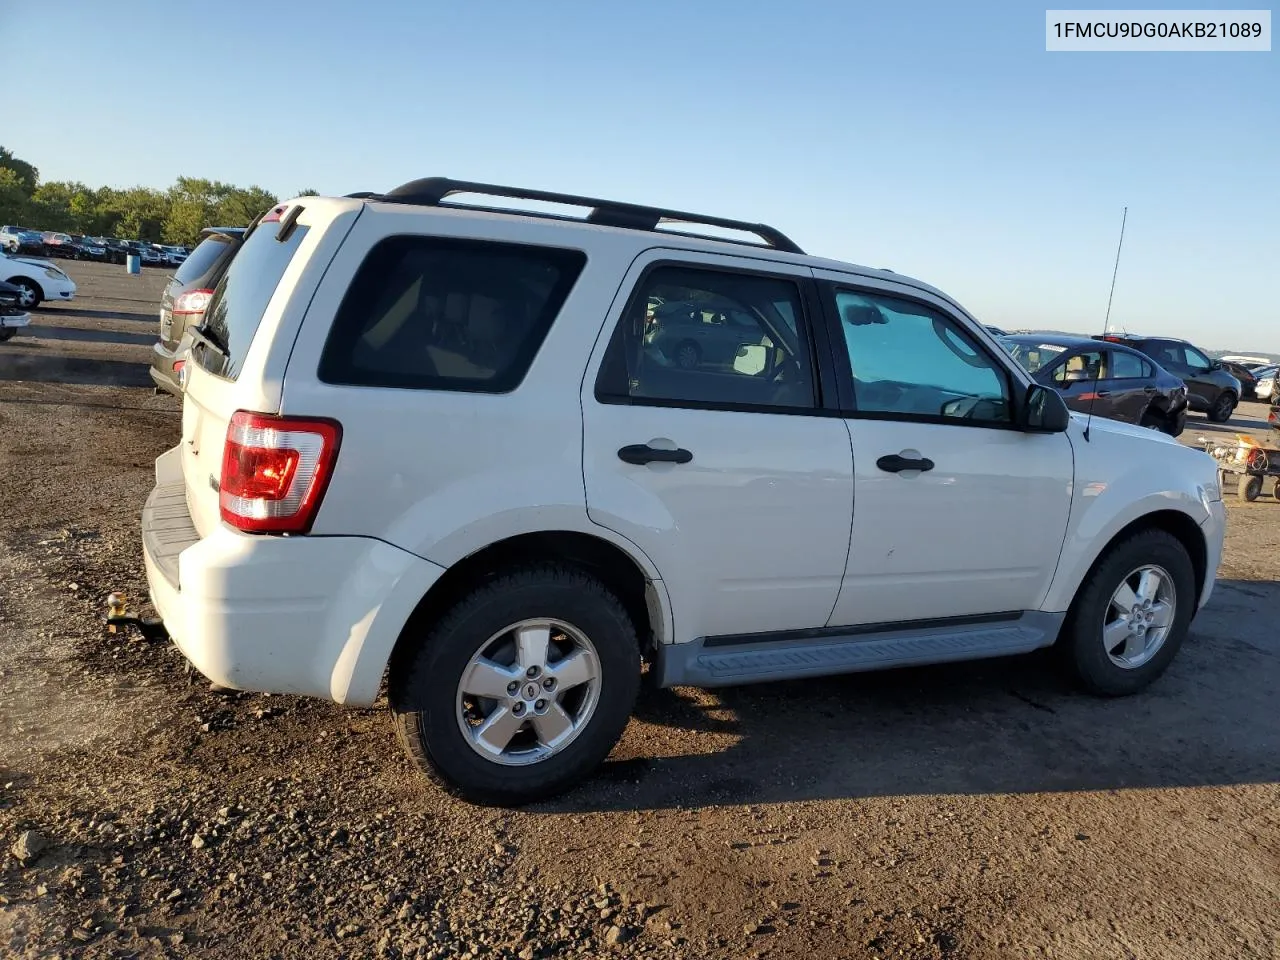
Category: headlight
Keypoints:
(55, 273)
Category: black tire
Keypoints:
(1223, 407)
(1250, 486)
(1275, 489)
(1081, 637)
(1153, 421)
(688, 356)
(7, 333)
(31, 292)
(425, 682)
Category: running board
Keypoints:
(713, 662)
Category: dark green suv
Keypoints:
(1211, 388)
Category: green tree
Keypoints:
(15, 201)
(27, 175)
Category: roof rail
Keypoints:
(432, 191)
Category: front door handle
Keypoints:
(642, 453)
(1104, 393)
(895, 463)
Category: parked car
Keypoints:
(431, 443)
(91, 248)
(1267, 388)
(151, 255)
(59, 245)
(37, 280)
(1248, 381)
(185, 298)
(173, 256)
(117, 249)
(13, 317)
(1211, 388)
(1108, 380)
(21, 240)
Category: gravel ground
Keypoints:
(975, 811)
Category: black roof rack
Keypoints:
(432, 191)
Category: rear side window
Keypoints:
(203, 259)
(440, 314)
(241, 297)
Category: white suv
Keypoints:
(454, 448)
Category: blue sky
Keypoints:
(937, 139)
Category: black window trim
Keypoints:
(583, 266)
(813, 323)
(844, 372)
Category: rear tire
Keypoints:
(437, 721)
(1223, 407)
(1086, 637)
(7, 333)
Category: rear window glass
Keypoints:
(203, 258)
(241, 297)
(430, 313)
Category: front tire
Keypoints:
(29, 292)
(520, 690)
(1131, 614)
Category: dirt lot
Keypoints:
(979, 811)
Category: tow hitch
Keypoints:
(118, 618)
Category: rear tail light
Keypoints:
(275, 471)
(193, 301)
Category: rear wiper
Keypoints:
(201, 334)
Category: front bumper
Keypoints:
(15, 319)
(313, 616)
(1215, 532)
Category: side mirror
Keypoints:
(1043, 411)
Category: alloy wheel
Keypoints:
(1139, 617)
(528, 692)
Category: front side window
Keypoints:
(1033, 356)
(1196, 360)
(910, 361)
(701, 337)
(434, 313)
(1081, 368)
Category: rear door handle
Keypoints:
(642, 453)
(894, 463)
(1104, 393)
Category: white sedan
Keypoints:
(37, 280)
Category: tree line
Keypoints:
(175, 215)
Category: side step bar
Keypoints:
(713, 662)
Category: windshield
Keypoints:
(1033, 356)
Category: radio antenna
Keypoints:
(1106, 326)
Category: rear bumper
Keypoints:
(15, 319)
(314, 616)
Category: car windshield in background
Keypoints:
(1033, 356)
(242, 295)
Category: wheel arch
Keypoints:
(630, 576)
(16, 278)
(1181, 526)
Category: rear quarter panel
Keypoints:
(441, 473)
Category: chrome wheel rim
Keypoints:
(26, 295)
(687, 358)
(1139, 617)
(528, 692)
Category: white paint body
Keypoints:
(781, 522)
